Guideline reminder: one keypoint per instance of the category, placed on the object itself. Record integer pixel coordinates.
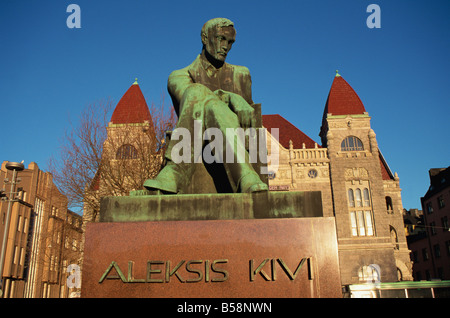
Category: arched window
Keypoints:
(351, 198)
(351, 143)
(394, 237)
(389, 206)
(366, 197)
(369, 273)
(126, 151)
(358, 197)
(359, 205)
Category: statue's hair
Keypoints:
(216, 22)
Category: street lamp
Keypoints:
(15, 167)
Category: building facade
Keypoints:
(358, 188)
(431, 248)
(43, 239)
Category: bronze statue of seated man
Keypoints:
(217, 94)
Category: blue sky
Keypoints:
(49, 73)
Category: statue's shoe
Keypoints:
(166, 187)
(258, 187)
(252, 183)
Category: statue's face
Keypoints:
(219, 41)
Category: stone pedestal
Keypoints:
(246, 246)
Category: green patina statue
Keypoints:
(217, 95)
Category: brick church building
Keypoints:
(358, 188)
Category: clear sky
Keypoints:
(49, 72)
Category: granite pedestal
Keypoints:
(273, 245)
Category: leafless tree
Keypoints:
(97, 158)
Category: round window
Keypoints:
(312, 173)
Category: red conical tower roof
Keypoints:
(132, 107)
(342, 99)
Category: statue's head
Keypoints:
(218, 35)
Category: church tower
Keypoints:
(366, 195)
(130, 153)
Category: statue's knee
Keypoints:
(196, 92)
(219, 112)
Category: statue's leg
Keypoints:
(175, 177)
(242, 176)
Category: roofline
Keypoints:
(365, 115)
(388, 169)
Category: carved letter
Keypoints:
(192, 270)
(174, 271)
(207, 271)
(151, 271)
(131, 278)
(119, 272)
(288, 271)
(222, 271)
(259, 270)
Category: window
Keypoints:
(25, 225)
(389, 206)
(440, 271)
(415, 257)
(425, 254)
(39, 206)
(351, 198)
(22, 195)
(369, 274)
(366, 197)
(126, 151)
(16, 254)
(22, 256)
(312, 173)
(19, 224)
(433, 228)
(429, 208)
(362, 223)
(394, 237)
(359, 205)
(358, 198)
(351, 143)
(437, 251)
(441, 202)
(444, 221)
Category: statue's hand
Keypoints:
(245, 116)
(240, 107)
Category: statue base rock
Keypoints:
(274, 244)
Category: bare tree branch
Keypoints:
(97, 158)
